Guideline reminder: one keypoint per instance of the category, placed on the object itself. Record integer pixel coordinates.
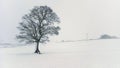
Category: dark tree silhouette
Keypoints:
(38, 25)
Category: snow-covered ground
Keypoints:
(79, 54)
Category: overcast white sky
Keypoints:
(78, 17)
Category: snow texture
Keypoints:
(79, 54)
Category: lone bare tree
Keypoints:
(38, 25)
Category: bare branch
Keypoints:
(37, 25)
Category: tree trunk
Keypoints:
(37, 49)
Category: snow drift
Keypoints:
(79, 54)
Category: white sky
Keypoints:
(78, 17)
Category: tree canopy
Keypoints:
(38, 25)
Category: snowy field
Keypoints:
(79, 54)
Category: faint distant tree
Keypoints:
(38, 25)
(106, 36)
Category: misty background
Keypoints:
(78, 17)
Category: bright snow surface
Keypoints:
(78, 54)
